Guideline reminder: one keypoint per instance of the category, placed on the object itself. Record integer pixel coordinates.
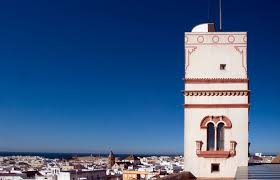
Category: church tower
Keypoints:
(216, 102)
(111, 159)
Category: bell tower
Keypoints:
(111, 160)
(216, 102)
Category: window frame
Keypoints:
(215, 143)
(220, 137)
(211, 147)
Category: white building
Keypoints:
(216, 102)
(82, 175)
(258, 154)
(13, 176)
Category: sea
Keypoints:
(70, 155)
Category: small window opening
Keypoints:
(215, 167)
(222, 66)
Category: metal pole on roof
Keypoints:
(208, 10)
(220, 15)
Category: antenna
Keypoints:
(208, 10)
(220, 15)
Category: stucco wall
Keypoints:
(200, 166)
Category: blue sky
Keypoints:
(90, 76)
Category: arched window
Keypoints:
(220, 136)
(210, 136)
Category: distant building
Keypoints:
(48, 174)
(121, 165)
(31, 174)
(258, 154)
(131, 175)
(216, 102)
(12, 176)
(82, 175)
(45, 177)
(132, 159)
(67, 167)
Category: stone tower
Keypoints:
(216, 102)
(111, 159)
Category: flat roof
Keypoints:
(259, 171)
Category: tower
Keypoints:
(111, 159)
(216, 102)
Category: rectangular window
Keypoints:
(215, 168)
(222, 66)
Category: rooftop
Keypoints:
(259, 171)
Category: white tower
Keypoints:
(216, 102)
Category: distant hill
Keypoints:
(276, 159)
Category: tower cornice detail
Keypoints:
(216, 92)
(217, 105)
(216, 38)
(215, 80)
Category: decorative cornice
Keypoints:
(214, 80)
(217, 105)
(215, 33)
(217, 93)
(215, 39)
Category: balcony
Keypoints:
(215, 153)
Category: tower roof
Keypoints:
(111, 154)
(205, 27)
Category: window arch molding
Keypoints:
(216, 120)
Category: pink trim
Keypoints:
(190, 50)
(217, 105)
(225, 34)
(214, 154)
(214, 81)
(216, 43)
(215, 120)
(241, 50)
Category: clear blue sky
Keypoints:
(90, 76)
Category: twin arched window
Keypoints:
(215, 137)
